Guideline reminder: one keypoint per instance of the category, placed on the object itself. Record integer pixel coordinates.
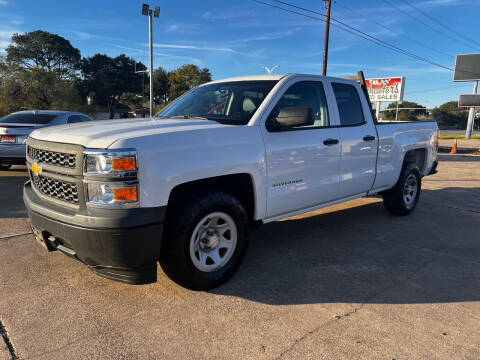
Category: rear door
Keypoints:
(359, 139)
(303, 163)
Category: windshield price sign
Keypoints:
(386, 89)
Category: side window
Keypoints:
(84, 118)
(72, 119)
(349, 105)
(75, 119)
(306, 94)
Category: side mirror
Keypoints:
(289, 117)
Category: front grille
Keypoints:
(61, 190)
(52, 157)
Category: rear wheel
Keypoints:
(402, 199)
(4, 167)
(205, 241)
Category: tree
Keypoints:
(11, 95)
(106, 78)
(185, 78)
(43, 51)
(3, 67)
(36, 89)
(37, 73)
(449, 114)
(405, 115)
(132, 100)
(160, 86)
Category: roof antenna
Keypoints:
(270, 71)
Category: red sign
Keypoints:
(385, 89)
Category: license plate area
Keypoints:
(7, 139)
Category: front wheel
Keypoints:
(205, 241)
(4, 167)
(402, 199)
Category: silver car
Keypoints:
(15, 128)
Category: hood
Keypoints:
(101, 134)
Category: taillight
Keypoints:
(437, 142)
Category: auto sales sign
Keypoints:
(386, 89)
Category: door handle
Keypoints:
(368, 138)
(330, 142)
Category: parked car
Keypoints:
(15, 128)
(185, 187)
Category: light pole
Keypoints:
(156, 13)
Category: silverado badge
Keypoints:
(36, 169)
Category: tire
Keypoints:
(4, 167)
(402, 199)
(195, 252)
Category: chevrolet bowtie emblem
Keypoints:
(36, 169)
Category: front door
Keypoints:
(303, 163)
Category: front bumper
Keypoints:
(12, 154)
(119, 244)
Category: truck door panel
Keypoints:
(302, 170)
(359, 141)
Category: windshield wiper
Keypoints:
(186, 116)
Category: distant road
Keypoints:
(462, 132)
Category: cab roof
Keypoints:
(272, 77)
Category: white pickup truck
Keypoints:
(183, 188)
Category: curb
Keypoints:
(447, 149)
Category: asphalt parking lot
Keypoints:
(345, 282)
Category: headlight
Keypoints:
(111, 178)
(112, 194)
(116, 163)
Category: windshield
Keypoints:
(231, 103)
(27, 118)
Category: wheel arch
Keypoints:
(240, 185)
(416, 156)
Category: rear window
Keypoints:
(349, 105)
(27, 118)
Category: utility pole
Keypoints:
(150, 13)
(328, 5)
(471, 114)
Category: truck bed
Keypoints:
(395, 139)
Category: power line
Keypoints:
(439, 22)
(425, 24)
(394, 32)
(354, 31)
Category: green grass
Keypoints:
(458, 136)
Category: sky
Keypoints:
(239, 37)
